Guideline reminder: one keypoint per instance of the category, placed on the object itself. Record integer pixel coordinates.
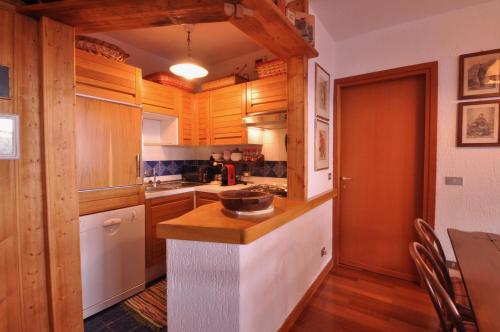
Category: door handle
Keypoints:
(112, 222)
(138, 164)
(345, 178)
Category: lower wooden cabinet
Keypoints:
(205, 198)
(158, 210)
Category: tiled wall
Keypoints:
(276, 169)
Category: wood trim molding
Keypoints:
(430, 72)
(61, 192)
(294, 315)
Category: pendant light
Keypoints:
(188, 68)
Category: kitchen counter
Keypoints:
(209, 223)
(214, 188)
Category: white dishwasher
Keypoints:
(112, 249)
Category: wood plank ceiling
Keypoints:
(261, 19)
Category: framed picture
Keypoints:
(321, 142)
(9, 136)
(479, 75)
(322, 93)
(478, 123)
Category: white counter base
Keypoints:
(227, 287)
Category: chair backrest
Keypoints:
(429, 271)
(430, 241)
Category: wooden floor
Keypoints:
(358, 301)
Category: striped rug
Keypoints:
(149, 307)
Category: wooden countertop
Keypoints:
(209, 223)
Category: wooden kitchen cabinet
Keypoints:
(187, 119)
(227, 107)
(160, 99)
(100, 77)
(108, 144)
(267, 94)
(203, 198)
(158, 210)
(202, 114)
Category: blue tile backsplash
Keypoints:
(274, 169)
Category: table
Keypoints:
(478, 257)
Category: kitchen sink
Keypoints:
(170, 185)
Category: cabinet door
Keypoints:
(108, 144)
(158, 210)
(267, 94)
(161, 99)
(227, 107)
(206, 198)
(100, 77)
(202, 112)
(187, 119)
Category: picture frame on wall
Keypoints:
(478, 123)
(479, 75)
(322, 93)
(321, 145)
(9, 136)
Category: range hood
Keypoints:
(276, 120)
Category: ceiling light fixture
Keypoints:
(188, 68)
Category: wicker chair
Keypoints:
(450, 318)
(454, 285)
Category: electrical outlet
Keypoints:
(453, 181)
(329, 176)
(323, 251)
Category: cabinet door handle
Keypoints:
(138, 163)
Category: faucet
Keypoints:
(155, 182)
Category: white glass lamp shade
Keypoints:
(188, 70)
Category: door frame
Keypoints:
(430, 72)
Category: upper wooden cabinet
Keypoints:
(187, 120)
(161, 99)
(108, 144)
(267, 94)
(202, 114)
(100, 77)
(227, 107)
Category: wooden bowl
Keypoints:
(244, 200)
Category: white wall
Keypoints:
(318, 180)
(475, 206)
(149, 62)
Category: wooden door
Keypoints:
(202, 112)
(108, 144)
(227, 107)
(267, 94)
(381, 173)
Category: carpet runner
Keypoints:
(149, 307)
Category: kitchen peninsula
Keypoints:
(220, 267)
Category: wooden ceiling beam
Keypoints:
(88, 16)
(267, 26)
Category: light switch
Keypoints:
(453, 181)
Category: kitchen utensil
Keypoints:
(243, 200)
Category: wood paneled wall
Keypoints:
(23, 283)
(61, 191)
